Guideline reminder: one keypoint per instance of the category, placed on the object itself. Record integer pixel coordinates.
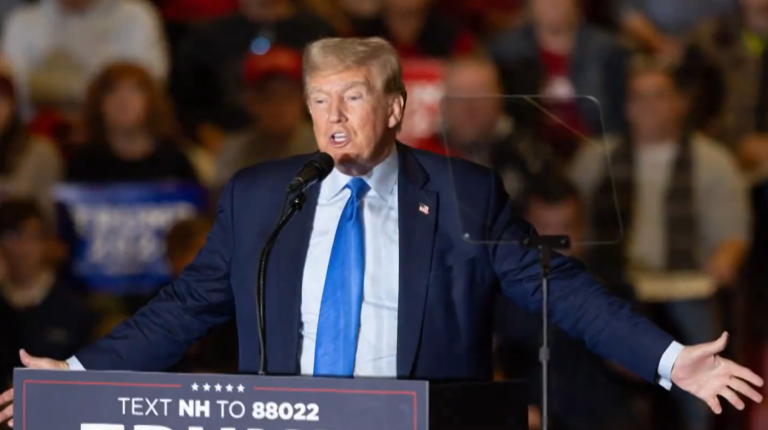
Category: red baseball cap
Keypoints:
(278, 61)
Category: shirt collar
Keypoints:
(382, 179)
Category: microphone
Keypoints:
(314, 170)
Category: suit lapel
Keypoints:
(417, 215)
(284, 279)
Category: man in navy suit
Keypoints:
(374, 277)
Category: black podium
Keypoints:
(478, 406)
(73, 400)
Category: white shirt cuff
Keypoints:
(666, 364)
(74, 364)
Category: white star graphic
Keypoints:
(195, 386)
(206, 387)
(218, 388)
(229, 388)
(240, 388)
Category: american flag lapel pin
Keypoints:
(423, 208)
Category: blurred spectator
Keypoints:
(275, 102)
(56, 46)
(130, 132)
(579, 71)
(734, 46)
(486, 17)
(206, 82)
(418, 29)
(217, 351)
(5, 9)
(37, 311)
(586, 393)
(683, 204)
(194, 11)
(181, 17)
(477, 128)
(659, 26)
(344, 15)
(29, 165)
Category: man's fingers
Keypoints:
(732, 397)
(39, 363)
(28, 360)
(6, 397)
(714, 404)
(25, 358)
(747, 375)
(716, 347)
(34, 362)
(745, 389)
(10, 423)
(6, 413)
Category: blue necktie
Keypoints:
(339, 321)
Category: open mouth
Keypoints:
(339, 138)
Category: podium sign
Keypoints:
(72, 400)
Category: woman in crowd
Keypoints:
(29, 165)
(130, 132)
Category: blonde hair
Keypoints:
(350, 52)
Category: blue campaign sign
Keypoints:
(72, 400)
(117, 231)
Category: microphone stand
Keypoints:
(545, 245)
(297, 202)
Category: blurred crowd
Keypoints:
(637, 127)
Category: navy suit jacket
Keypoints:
(447, 284)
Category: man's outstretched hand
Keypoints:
(33, 363)
(700, 371)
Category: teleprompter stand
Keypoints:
(545, 245)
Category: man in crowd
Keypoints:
(206, 80)
(728, 60)
(478, 129)
(275, 104)
(683, 206)
(383, 274)
(55, 47)
(37, 311)
(565, 59)
(586, 392)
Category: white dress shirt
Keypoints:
(377, 344)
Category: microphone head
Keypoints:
(324, 164)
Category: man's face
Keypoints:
(276, 106)
(561, 218)
(554, 14)
(24, 249)
(655, 106)
(354, 120)
(470, 119)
